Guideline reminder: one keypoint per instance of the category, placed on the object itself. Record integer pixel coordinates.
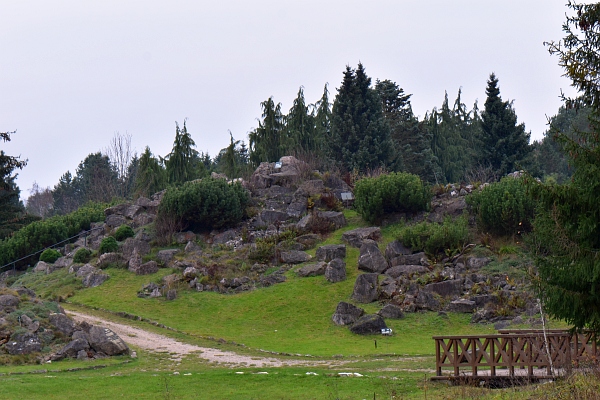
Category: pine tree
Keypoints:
(360, 135)
(567, 228)
(505, 144)
(12, 211)
(151, 177)
(182, 162)
(267, 142)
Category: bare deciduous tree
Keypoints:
(120, 155)
(40, 201)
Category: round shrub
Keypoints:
(124, 232)
(394, 192)
(206, 204)
(82, 255)
(504, 207)
(50, 256)
(108, 245)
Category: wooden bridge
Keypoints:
(520, 355)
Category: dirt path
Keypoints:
(154, 342)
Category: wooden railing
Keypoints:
(525, 353)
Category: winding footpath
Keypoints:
(157, 343)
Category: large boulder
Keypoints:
(366, 288)
(405, 270)
(312, 269)
(62, 323)
(370, 324)
(270, 217)
(355, 237)
(330, 252)
(73, 348)
(294, 257)
(8, 302)
(450, 288)
(42, 266)
(165, 256)
(115, 220)
(336, 270)
(396, 249)
(96, 278)
(462, 306)
(23, 343)
(336, 218)
(108, 259)
(371, 259)
(391, 311)
(106, 341)
(224, 237)
(346, 313)
(85, 270)
(142, 247)
(63, 262)
(148, 268)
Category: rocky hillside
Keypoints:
(292, 209)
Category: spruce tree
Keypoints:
(12, 211)
(360, 135)
(182, 162)
(567, 229)
(151, 177)
(267, 142)
(300, 126)
(505, 144)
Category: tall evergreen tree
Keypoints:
(567, 228)
(322, 122)
(300, 126)
(360, 135)
(12, 215)
(182, 162)
(65, 195)
(96, 179)
(505, 143)
(151, 177)
(267, 142)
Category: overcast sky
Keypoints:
(74, 72)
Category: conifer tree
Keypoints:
(12, 215)
(182, 162)
(322, 122)
(567, 228)
(505, 144)
(151, 177)
(300, 126)
(267, 142)
(65, 195)
(360, 135)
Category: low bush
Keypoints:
(389, 193)
(433, 238)
(503, 208)
(108, 245)
(50, 256)
(206, 204)
(123, 232)
(82, 255)
(41, 234)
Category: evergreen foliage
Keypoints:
(50, 256)
(412, 143)
(268, 142)
(12, 211)
(108, 245)
(123, 232)
(567, 228)
(41, 234)
(505, 144)
(504, 207)
(65, 195)
(96, 179)
(82, 255)
(151, 177)
(360, 135)
(449, 237)
(206, 204)
(183, 162)
(389, 193)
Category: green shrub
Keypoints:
(50, 256)
(108, 245)
(433, 238)
(394, 192)
(263, 251)
(206, 204)
(41, 234)
(124, 232)
(503, 208)
(82, 255)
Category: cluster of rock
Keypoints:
(24, 332)
(330, 263)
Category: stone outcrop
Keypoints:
(330, 252)
(312, 269)
(336, 270)
(370, 324)
(355, 237)
(346, 313)
(371, 259)
(366, 288)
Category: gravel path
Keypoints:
(154, 342)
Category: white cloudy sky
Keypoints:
(74, 72)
